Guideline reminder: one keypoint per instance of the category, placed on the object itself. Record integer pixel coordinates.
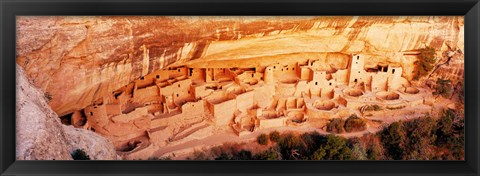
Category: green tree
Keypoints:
(292, 147)
(424, 63)
(334, 149)
(420, 136)
(393, 139)
(270, 154)
(243, 155)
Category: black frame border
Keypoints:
(9, 9)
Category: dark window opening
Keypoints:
(142, 78)
(252, 75)
(93, 129)
(158, 76)
(385, 69)
(287, 68)
(179, 85)
(358, 57)
(188, 92)
(316, 83)
(191, 71)
(393, 71)
(293, 68)
(178, 70)
(274, 67)
(91, 113)
(358, 71)
(330, 84)
(177, 95)
(355, 80)
(66, 119)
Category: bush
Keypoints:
(242, 155)
(425, 62)
(270, 154)
(262, 139)
(274, 136)
(336, 125)
(443, 87)
(393, 139)
(373, 108)
(334, 149)
(48, 96)
(80, 154)
(292, 147)
(354, 123)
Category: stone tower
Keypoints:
(357, 71)
(269, 76)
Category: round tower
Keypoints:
(268, 75)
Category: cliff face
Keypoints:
(79, 59)
(41, 136)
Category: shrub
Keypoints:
(393, 139)
(80, 154)
(242, 155)
(274, 136)
(262, 139)
(292, 147)
(270, 154)
(354, 123)
(336, 125)
(334, 149)
(425, 62)
(48, 96)
(160, 158)
(373, 108)
(443, 87)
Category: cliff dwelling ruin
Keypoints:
(158, 86)
(180, 104)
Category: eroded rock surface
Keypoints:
(41, 136)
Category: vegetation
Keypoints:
(336, 125)
(424, 138)
(443, 87)
(160, 158)
(274, 136)
(48, 96)
(262, 139)
(373, 108)
(352, 124)
(425, 62)
(80, 154)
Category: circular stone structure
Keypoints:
(411, 90)
(353, 92)
(387, 95)
(324, 105)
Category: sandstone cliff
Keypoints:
(79, 59)
(41, 136)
